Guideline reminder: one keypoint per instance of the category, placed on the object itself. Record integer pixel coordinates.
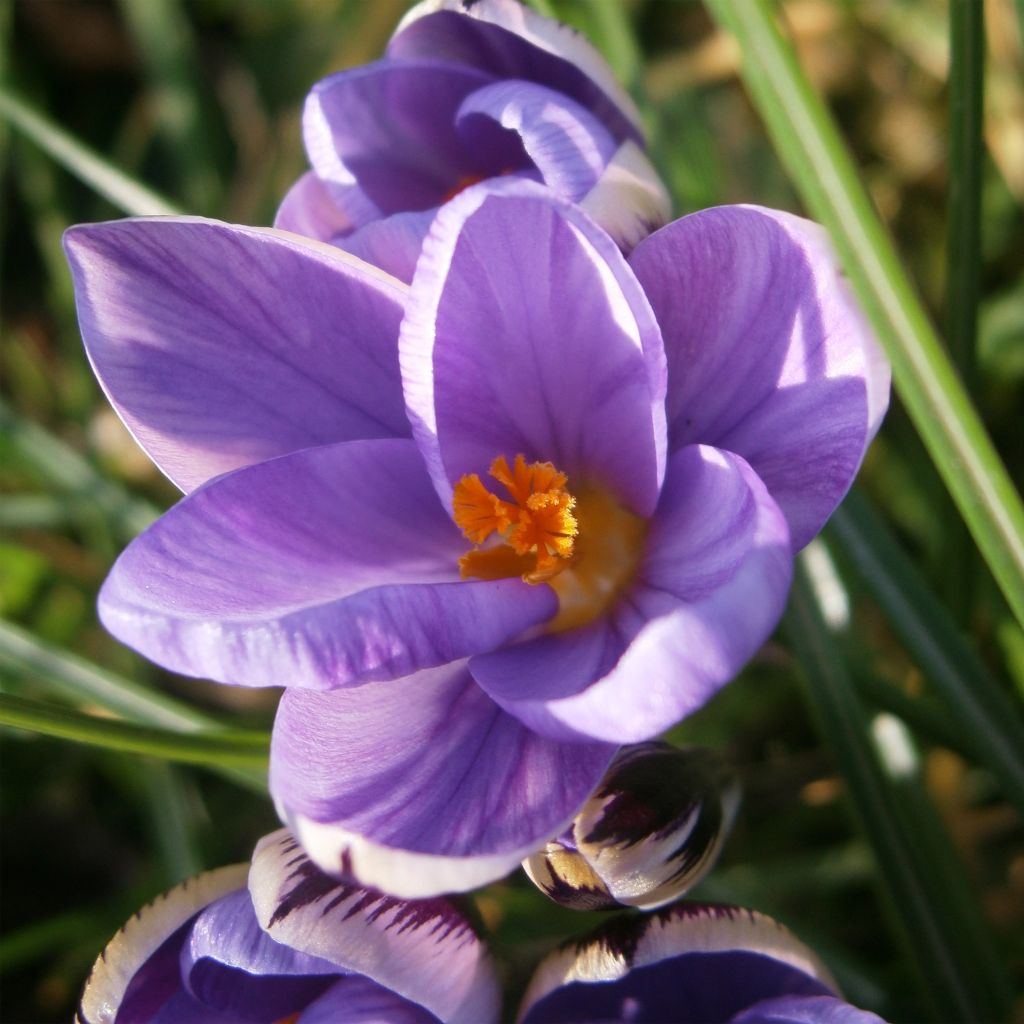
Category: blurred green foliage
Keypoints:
(200, 100)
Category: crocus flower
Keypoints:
(555, 515)
(690, 964)
(465, 92)
(278, 942)
(649, 833)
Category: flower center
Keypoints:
(586, 546)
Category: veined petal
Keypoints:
(567, 144)
(769, 354)
(422, 785)
(220, 346)
(511, 40)
(629, 200)
(323, 568)
(309, 209)
(423, 950)
(144, 935)
(690, 964)
(527, 334)
(389, 128)
(709, 591)
(391, 243)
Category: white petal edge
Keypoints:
(143, 934)
(684, 929)
(629, 200)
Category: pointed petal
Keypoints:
(690, 964)
(308, 209)
(511, 40)
(389, 129)
(769, 354)
(527, 333)
(710, 589)
(425, 951)
(422, 785)
(136, 945)
(323, 568)
(220, 346)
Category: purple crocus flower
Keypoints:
(690, 964)
(554, 516)
(466, 92)
(278, 942)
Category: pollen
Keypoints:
(535, 524)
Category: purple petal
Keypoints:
(391, 243)
(221, 346)
(148, 945)
(182, 1009)
(709, 591)
(568, 145)
(389, 128)
(510, 40)
(425, 951)
(322, 568)
(629, 200)
(689, 964)
(805, 1010)
(422, 785)
(527, 333)
(230, 964)
(308, 209)
(357, 1000)
(769, 355)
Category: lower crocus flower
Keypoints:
(278, 942)
(690, 964)
(649, 833)
(465, 92)
(553, 512)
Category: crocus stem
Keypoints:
(810, 145)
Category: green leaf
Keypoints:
(227, 749)
(933, 908)
(822, 170)
(114, 185)
(987, 722)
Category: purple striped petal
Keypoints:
(769, 355)
(220, 346)
(425, 951)
(511, 40)
(357, 1000)
(709, 591)
(805, 1010)
(148, 947)
(422, 785)
(309, 209)
(389, 129)
(568, 145)
(323, 568)
(527, 333)
(690, 964)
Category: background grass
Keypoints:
(200, 101)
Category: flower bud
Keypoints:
(650, 831)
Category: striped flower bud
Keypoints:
(651, 830)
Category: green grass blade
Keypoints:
(226, 749)
(81, 682)
(987, 720)
(125, 193)
(810, 145)
(942, 930)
